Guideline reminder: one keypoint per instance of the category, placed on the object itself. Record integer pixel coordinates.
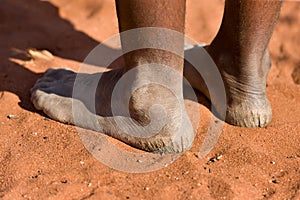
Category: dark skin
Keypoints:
(240, 51)
(141, 13)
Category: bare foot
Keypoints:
(148, 116)
(247, 103)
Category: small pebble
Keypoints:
(81, 162)
(275, 181)
(219, 157)
(216, 158)
(12, 116)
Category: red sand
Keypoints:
(44, 159)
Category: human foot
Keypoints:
(247, 103)
(156, 120)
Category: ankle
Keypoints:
(153, 56)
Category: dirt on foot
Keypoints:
(43, 159)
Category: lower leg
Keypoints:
(167, 14)
(240, 50)
(136, 14)
(161, 16)
(245, 33)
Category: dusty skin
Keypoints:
(54, 90)
(246, 28)
(44, 159)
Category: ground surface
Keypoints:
(44, 159)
